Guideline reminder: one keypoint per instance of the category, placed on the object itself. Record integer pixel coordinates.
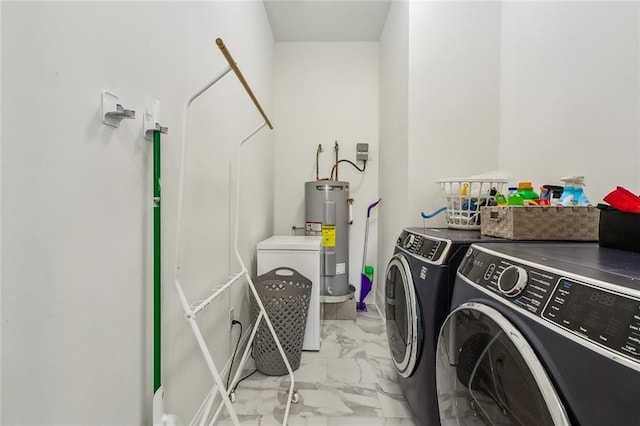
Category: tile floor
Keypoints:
(349, 382)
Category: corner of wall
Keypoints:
(1, 240)
(393, 130)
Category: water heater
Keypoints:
(327, 215)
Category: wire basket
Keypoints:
(464, 198)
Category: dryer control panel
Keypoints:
(430, 249)
(577, 305)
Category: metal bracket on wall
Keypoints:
(150, 122)
(112, 111)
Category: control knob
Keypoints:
(408, 241)
(512, 280)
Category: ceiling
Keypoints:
(327, 20)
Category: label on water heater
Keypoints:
(328, 235)
(341, 268)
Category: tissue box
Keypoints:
(541, 223)
(618, 229)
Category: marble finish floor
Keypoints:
(349, 382)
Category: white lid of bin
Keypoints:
(291, 242)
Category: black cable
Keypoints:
(245, 377)
(233, 358)
(361, 170)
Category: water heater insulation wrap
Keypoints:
(326, 214)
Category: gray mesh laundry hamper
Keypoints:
(285, 294)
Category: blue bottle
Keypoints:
(573, 193)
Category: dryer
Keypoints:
(542, 335)
(419, 280)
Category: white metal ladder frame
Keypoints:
(192, 310)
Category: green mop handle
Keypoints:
(157, 270)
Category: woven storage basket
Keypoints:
(541, 223)
(286, 301)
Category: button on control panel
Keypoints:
(489, 273)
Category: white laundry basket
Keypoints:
(465, 196)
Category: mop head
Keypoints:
(365, 288)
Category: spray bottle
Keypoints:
(573, 194)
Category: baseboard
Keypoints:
(380, 311)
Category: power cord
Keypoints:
(233, 358)
(245, 377)
(235, 351)
(361, 170)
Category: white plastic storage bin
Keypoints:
(301, 253)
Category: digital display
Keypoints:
(602, 298)
(427, 246)
(598, 311)
(604, 317)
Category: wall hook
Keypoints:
(112, 111)
(150, 122)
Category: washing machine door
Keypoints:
(487, 373)
(402, 316)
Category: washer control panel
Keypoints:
(526, 287)
(422, 246)
(597, 314)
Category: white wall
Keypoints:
(439, 107)
(327, 92)
(569, 93)
(1, 3)
(538, 89)
(394, 140)
(76, 199)
(454, 77)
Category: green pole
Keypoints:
(157, 270)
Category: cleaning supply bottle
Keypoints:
(529, 196)
(500, 199)
(545, 196)
(573, 194)
(513, 198)
(551, 193)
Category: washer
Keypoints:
(542, 335)
(419, 280)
